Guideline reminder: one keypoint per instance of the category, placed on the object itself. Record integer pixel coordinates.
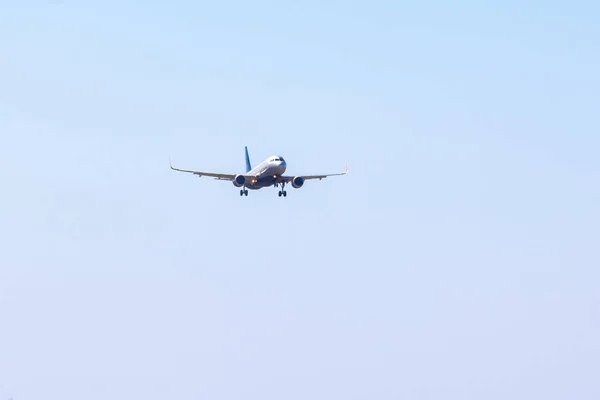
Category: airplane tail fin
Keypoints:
(248, 165)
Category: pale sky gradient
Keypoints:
(458, 260)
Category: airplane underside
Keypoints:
(263, 183)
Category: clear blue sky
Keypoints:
(458, 260)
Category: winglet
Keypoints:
(346, 167)
(170, 165)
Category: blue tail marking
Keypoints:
(248, 165)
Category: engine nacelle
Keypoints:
(297, 182)
(239, 181)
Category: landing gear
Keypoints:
(282, 192)
(244, 192)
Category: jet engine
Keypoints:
(239, 181)
(297, 182)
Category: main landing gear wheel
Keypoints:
(282, 192)
(243, 193)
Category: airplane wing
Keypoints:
(219, 176)
(287, 179)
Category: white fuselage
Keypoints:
(266, 172)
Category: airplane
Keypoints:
(267, 173)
